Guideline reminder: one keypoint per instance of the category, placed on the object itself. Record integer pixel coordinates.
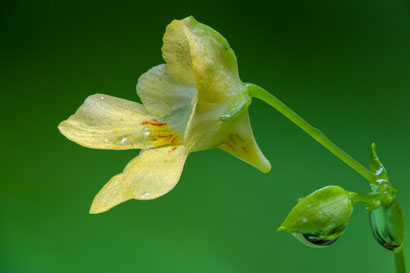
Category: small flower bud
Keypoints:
(386, 221)
(320, 218)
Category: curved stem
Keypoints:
(260, 93)
(399, 261)
(366, 198)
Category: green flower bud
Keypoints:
(386, 220)
(320, 218)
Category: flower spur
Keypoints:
(184, 103)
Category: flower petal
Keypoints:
(213, 61)
(148, 176)
(106, 122)
(239, 141)
(168, 93)
(176, 49)
(196, 46)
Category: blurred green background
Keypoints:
(343, 65)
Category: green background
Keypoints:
(343, 65)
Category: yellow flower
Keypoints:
(182, 105)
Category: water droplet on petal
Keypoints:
(224, 117)
(144, 195)
(146, 131)
(123, 140)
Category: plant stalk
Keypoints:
(260, 93)
(399, 261)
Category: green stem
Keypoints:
(375, 199)
(366, 198)
(399, 260)
(260, 93)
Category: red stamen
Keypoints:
(153, 124)
(167, 136)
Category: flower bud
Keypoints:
(320, 218)
(386, 221)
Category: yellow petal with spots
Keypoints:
(162, 134)
(148, 176)
(168, 92)
(237, 139)
(106, 122)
